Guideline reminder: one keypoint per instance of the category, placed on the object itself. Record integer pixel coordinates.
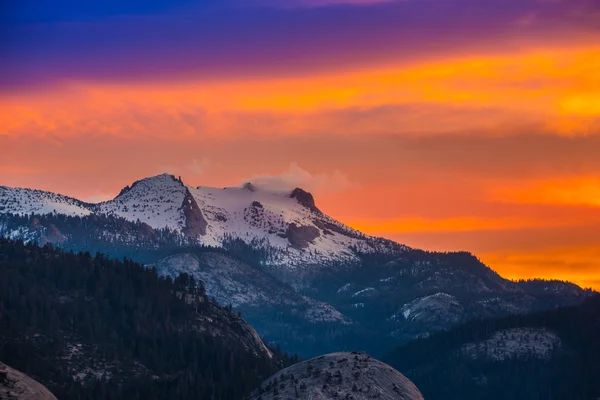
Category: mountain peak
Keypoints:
(304, 198)
(287, 223)
(249, 187)
(156, 200)
(157, 180)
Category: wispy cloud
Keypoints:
(297, 177)
(199, 166)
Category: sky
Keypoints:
(442, 124)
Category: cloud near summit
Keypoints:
(297, 177)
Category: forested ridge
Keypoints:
(442, 369)
(89, 327)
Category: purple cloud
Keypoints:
(245, 41)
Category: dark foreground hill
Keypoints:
(91, 328)
(549, 355)
(348, 375)
(15, 385)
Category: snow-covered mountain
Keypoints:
(287, 224)
(303, 279)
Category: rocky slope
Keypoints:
(15, 385)
(234, 282)
(416, 293)
(350, 375)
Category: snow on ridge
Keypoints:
(251, 213)
(23, 201)
(298, 233)
(344, 288)
(156, 201)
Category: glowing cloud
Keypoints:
(296, 177)
(490, 94)
(574, 191)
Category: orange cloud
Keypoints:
(578, 264)
(486, 189)
(549, 90)
(391, 226)
(575, 191)
(568, 253)
(455, 224)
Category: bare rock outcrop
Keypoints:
(15, 385)
(195, 224)
(349, 375)
(301, 236)
(304, 198)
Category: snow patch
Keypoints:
(344, 288)
(362, 292)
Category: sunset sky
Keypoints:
(442, 124)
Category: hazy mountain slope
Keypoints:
(338, 376)
(413, 294)
(15, 385)
(549, 355)
(234, 282)
(279, 313)
(89, 327)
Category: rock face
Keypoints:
(304, 198)
(195, 224)
(349, 375)
(15, 385)
(440, 310)
(301, 236)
